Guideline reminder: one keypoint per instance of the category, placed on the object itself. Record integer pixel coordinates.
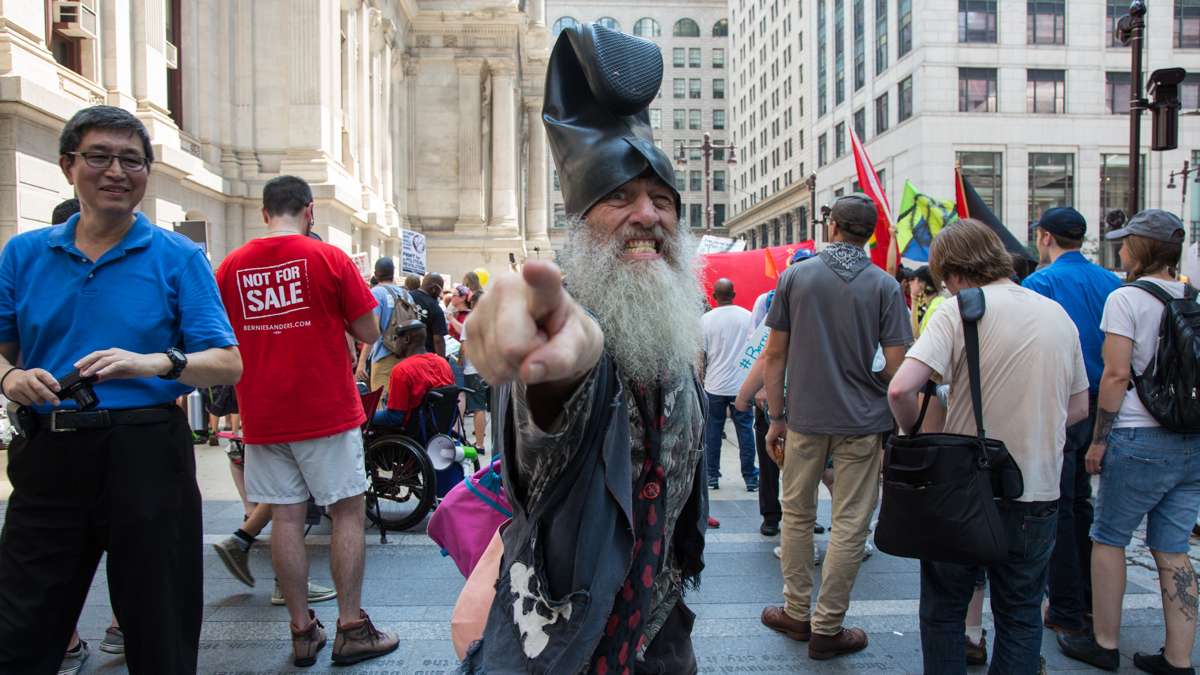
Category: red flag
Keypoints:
(748, 271)
(960, 194)
(769, 268)
(883, 247)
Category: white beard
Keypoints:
(649, 310)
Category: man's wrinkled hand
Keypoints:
(776, 441)
(528, 327)
(31, 387)
(119, 364)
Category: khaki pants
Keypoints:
(855, 492)
(381, 373)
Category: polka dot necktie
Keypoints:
(624, 633)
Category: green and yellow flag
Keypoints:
(921, 217)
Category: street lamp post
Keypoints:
(1183, 173)
(706, 148)
(1130, 29)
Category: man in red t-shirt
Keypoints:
(417, 372)
(291, 300)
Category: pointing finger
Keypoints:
(546, 294)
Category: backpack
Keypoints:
(404, 310)
(1169, 387)
(220, 400)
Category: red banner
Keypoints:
(748, 270)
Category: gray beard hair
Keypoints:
(649, 310)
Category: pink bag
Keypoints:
(469, 515)
(475, 601)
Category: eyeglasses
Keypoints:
(103, 160)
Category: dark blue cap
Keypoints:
(800, 254)
(1064, 221)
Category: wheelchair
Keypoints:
(403, 483)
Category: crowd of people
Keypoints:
(610, 387)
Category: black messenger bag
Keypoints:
(940, 490)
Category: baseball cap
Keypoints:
(1064, 221)
(856, 214)
(1152, 224)
(800, 254)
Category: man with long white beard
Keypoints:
(598, 414)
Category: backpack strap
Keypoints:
(1157, 291)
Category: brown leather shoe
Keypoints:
(847, 641)
(976, 652)
(306, 643)
(361, 641)
(777, 619)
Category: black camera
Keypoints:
(79, 388)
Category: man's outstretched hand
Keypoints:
(528, 327)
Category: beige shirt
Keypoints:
(1030, 365)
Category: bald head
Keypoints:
(723, 291)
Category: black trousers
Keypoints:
(127, 490)
(1070, 583)
(768, 472)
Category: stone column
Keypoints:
(363, 80)
(504, 145)
(386, 115)
(470, 138)
(537, 12)
(535, 208)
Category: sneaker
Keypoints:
(713, 523)
(778, 551)
(847, 641)
(868, 551)
(714, 484)
(818, 529)
(73, 659)
(113, 642)
(751, 487)
(769, 529)
(214, 441)
(1157, 663)
(1084, 648)
(977, 651)
(306, 643)
(236, 560)
(362, 642)
(778, 620)
(316, 593)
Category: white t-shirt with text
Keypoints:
(725, 329)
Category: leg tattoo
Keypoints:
(1184, 581)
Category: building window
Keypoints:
(719, 153)
(822, 67)
(686, 28)
(977, 21)
(560, 216)
(881, 36)
(1187, 24)
(680, 119)
(1045, 22)
(721, 28)
(694, 88)
(655, 118)
(680, 181)
(904, 31)
(881, 114)
(822, 151)
(174, 53)
(694, 57)
(905, 110)
(1117, 92)
(554, 180)
(718, 215)
(839, 52)
(860, 45)
(718, 180)
(860, 123)
(1045, 92)
(1189, 92)
(839, 140)
(609, 23)
(1114, 196)
(1051, 182)
(694, 120)
(718, 117)
(718, 87)
(647, 27)
(984, 170)
(680, 87)
(678, 56)
(718, 58)
(1114, 10)
(696, 215)
(695, 181)
(977, 90)
(564, 22)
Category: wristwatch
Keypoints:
(178, 363)
(778, 418)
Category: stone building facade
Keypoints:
(693, 37)
(402, 114)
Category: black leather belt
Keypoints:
(77, 420)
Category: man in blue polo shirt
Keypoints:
(1081, 287)
(136, 307)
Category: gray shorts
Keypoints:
(329, 468)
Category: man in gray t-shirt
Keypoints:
(829, 315)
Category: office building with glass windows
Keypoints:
(1031, 99)
(694, 99)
